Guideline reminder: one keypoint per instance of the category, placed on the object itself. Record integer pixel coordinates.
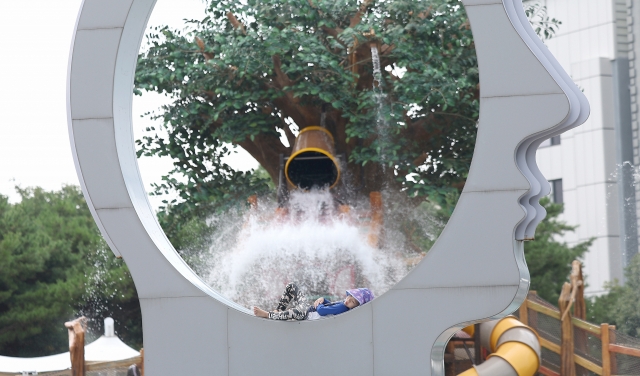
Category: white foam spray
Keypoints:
(313, 245)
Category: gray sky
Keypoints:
(35, 37)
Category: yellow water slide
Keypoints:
(515, 349)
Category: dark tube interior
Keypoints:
(312, 170)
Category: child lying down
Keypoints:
(292, 305)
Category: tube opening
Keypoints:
(309, 169)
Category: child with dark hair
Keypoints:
(293, 306)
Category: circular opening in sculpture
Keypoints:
(359, 119)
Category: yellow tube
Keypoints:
(317, 128)
(470, 330)
(520, 356)
(515, 348)
(312, 161)
(503, 325)
(470, 372)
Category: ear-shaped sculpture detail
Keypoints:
(474, 272)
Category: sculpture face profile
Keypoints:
(475, 271)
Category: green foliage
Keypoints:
(600, 308)
(48, 248)
(263, 175)
(626, 312)
(248, 72)
(43, 241)
(621, 306)
(549, 260)
(289, 57)
(543, 25)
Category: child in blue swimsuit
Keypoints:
(292, 305)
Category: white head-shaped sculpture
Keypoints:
(475, 271)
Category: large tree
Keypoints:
(252, 71)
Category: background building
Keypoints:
(591, 168)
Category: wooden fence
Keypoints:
(584, 336)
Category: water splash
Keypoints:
(314, 246)
(626, 178)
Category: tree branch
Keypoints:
(201, 44)
(386, 49)
(334, 33)
(265, 149)
(289, 104)
(236, 24)
(420, 160)
(283, 79)
(358, 16)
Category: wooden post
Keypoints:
(344, 213)
(532, 316)
(567, 366)
(577, 282)
(612, 357)
(253, 202)
(76, 345)
(606, 355)
(451, 351)
(579, 309)
(377, 219)
(523, 313)
(142, 362)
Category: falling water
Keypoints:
(627, 177)
(382, 127)
(377, 73)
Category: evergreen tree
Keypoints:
(621, 305)
(548, 259)
(49, 248)
(626, 311)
